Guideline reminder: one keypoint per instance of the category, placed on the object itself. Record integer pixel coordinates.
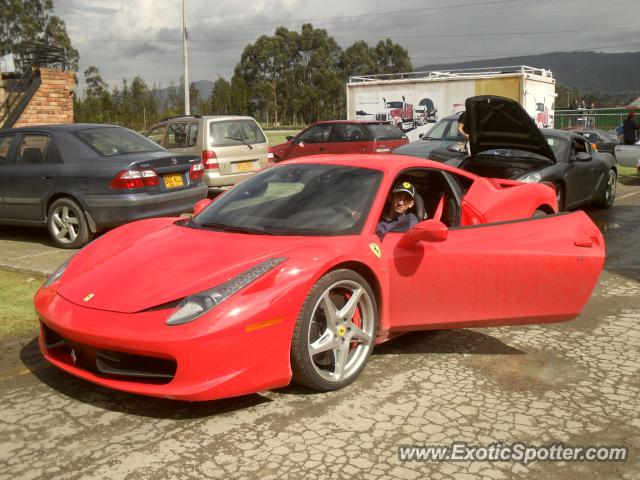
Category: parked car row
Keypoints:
(81, 179)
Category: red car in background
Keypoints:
(283, 277)
(341, 136)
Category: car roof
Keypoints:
(58, 127)
(359, 122)
(206, 117)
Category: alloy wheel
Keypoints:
(342, 331)
(65, 224)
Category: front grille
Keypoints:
(109, 363)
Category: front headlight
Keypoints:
(532, 177)
(197, 305)
(57, 274)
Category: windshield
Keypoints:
(443, 130)
(109, 141)
(233, 132)
(308, 199)
(394, 104)
(559, 146)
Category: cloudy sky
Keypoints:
(124, 38)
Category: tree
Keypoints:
(95, 84)
(31, 20)
(392, 58)
(220, 100)
(359, 59)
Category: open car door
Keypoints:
(508, 273)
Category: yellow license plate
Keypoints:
(173, 180)
(244, 167)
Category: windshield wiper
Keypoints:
(231, 228)
(240, 140)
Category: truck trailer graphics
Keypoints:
(411, 99)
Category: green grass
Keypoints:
(276, 137)
(626, 171)
(17, 315)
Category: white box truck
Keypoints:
(434, 94)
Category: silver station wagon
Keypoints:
(231, 147)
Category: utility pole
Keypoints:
(185, 54)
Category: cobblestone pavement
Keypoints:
(575, 383)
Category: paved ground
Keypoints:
(575, 383)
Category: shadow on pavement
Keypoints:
(123, 402)
(630, 180)
(36, 235)
(446, 341)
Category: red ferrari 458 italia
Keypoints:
(284, 277)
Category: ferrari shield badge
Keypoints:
(88, 297)
(375, 248)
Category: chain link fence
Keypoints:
(603, 118)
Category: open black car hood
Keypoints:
(501, 123)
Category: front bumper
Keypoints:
(212, 357)
(113, 210)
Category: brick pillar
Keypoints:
(53, 101)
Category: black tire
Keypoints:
(344, 345)
(539, 214)
(608, 195)
(68, 227)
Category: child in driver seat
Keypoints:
(401, 200)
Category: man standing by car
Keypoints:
(401, 200)
(630, 129)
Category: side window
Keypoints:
(316, 134)
(348, 132)
(193, 134)
(355, 133)
(33, 150)
(580, 145)
(5, 147)
(156, 134)
(340, 133)
(51, 154)
(177, 135)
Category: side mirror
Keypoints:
(582, 157)
(421, 135)
(455, 147)
(289, 138)
(427, 231)
(201, 205)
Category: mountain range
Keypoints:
(587, 71)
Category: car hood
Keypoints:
(419, 148)
(153, 262)
(501, 123)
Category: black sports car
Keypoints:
(506, 143)
(78, 179)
